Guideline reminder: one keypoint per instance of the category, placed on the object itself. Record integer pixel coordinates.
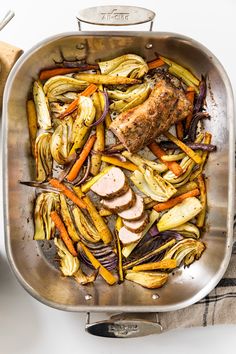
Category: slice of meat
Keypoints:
(127, 236)
(135, 212)
(118, 204)
(112, 184)
(140, 125)
(137, 226)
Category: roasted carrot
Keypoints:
(190, 96)
(67, 192)
(98, 221)
(82, 157)
(72, 107)
(114, 161)
(205, 154)
(176, 200)
(194, 156)
(179, 130)
(99, 144)
(63, 232)
(155, 63)
(203, 199)
(172, 165)
(107, 276)
(163, 264)
(32, 124)
(48, 73)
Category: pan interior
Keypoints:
(32, 265)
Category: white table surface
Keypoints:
(29, 327)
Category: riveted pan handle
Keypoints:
(116, 15)
(125, 325)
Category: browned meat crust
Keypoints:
(140, 125)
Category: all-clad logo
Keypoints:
(122, 330)
(114, 15)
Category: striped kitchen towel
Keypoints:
(218, 307)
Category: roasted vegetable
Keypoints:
(69, 264)
(86, 229)
(43, 157)
(99, 144)
(164, 264)
(189, 186)
(41, 105)
(194, 156)
(83, 278)
(61, 141)
(176, 200)
(140, 161)
(107, 276)
(188, 230)
(152, 185)
(63, 232)
(67, 219)
(150, 280)
(57, 86)
(101, 226)
(116, 162)
(126, 65)
(32, 123)
(203, 199)
(81, 126)
(173, 166)
(186, 251)
(106, 79)
(133, 96)
(179, 71)
(149, 255)
(180, 214)
(44, 228)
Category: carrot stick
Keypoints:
(163, 264)
(72, 107)
(107, 276)
(67, 192)
(203, 199)
(98, 221)
(114, 161)
(194, 156)
(48, 73)
(32, 123)
(172, 165)
(82, 157)
(99, 144)
(179, 130)
(190, 96)
(176, 200)
(63, 232)
(155, 63)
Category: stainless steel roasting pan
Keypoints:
(30, 260)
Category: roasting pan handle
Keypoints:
(116, 15)
(125, 325)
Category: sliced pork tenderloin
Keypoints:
(112, 184)
(127, 236)
(121, 203)
(135, 212)
(137, 226)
